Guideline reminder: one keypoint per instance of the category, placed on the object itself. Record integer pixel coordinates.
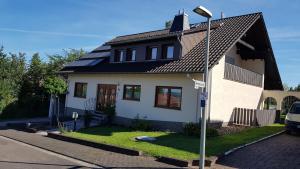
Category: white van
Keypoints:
(292, 119)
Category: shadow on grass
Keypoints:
(177, 141)
(104, 130)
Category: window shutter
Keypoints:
(117, 54)
(164, 52)
(148, 53)
(128, 54)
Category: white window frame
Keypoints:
(168, 54)
(152, 53)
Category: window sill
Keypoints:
(171, 108)
(137, 100)
(79, 97)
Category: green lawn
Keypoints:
(172, 144)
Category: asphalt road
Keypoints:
(16, 155)
(279, 152)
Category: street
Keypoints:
(281, 151)
(15, 155)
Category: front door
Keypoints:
(106, 96)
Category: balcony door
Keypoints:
(106, 96)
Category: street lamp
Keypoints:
(205, 13)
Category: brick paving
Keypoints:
(279, 152)
(102, 158)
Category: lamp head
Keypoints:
(203, 11)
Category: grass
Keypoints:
(172, 144)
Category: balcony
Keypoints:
(241, 75)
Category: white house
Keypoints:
(151, 74)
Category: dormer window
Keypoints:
(119, 55)
(130, 54)
(168, 52)
(152, 53)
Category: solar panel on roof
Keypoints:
(84, 63)
(102, 48)
(96, 55)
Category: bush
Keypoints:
(141, 124)
(110, 111)
(193, 129)
(87, 118)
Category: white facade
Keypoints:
(225, 94)
(145, 107)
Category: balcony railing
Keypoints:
(241, 75)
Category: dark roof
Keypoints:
(84, 62)
(125, 67)
(221, 40)
(224, 35)
(158, 34)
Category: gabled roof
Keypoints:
(225, 34)
(158, 34)
(221, 40)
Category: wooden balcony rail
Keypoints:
(241, 75)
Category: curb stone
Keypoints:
(102, 146)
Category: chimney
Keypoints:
(222, 15)
(180, 22)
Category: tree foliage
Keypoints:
(55, 85)
(25, 89)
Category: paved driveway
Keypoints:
(14, 155)
(280, 152)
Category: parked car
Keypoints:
(292, 119)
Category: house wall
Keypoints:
(255, 65)
(145, 107)
(226, 94)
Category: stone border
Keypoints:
(173, 161)
(95, 145)
(167, 160)
(209, 161)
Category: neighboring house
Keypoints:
(151, 74)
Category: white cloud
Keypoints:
(284, 34)
(52, 33)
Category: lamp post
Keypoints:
(205, 13)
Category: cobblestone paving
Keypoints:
(102, 158)
(279, 152)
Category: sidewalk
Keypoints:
(99, 157)
(32, 120)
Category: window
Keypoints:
(295, 109)
(168, 97)
(151, 53)
(168, 52)
(130, 55)
(119, 55)
(80, 90)
(132, 92)
(230, 60)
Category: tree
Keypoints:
(286, 87)
(57, 62)
(168, 24)
(55, 85)
(297, 88)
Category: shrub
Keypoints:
(110, 111)
(193, 129)
(87, 118)
(141, 124)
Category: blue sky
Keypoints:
(48, 27)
